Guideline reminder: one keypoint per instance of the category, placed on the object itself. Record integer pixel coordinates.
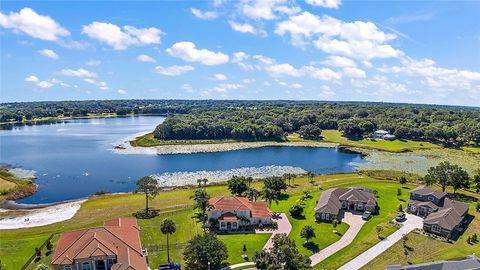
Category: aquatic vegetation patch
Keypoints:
(417, 161)
(190, 178)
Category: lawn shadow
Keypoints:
(313, 247)
(469, 218)
(299, 217)
(462, 197)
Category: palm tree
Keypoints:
(292, 176)
(252, 194)
(269, 196)
(204, 180)
(168, 227)
(199, 182)
(310, 176)
(249, 181)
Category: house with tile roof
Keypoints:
(335, 200)
(442, 216)
(233, 213)
(115, 246)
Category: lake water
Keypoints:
(74, 158)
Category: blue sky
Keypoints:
(393, 51)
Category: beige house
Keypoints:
(233, 213)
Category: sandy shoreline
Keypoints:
(124, 147)
(41, 216)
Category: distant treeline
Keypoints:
(440, 125)
(272, 120)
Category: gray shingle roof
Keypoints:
(423, 190)
(449, 216)
(330, 200)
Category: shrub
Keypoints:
(296, 210)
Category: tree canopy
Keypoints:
(283, 256)
(205, 252)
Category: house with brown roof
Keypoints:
(442, 216)
(233, 213)
(115, 246)
(335, 200)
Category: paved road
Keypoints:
(355, 222)
(284, 226)
(412, 222)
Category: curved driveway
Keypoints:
(355, 222)
(284, 226)
(412, 222)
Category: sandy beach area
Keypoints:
(41, 216)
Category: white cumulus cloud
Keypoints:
(121, 38)
(187, 51)
(145, 58)
(80, 73)
(246, 28)
(220, 77)
(31, 78)
(204, 15)
(121, 92)
(173, 70)
(325, 3)
(33, 24)
(49, 53)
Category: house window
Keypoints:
(436, 229)
(67, 267)
(112, 262)
(430, 198)
(360, 206)
(86, 266)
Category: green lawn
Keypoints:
(336, 136)
(156, 242)
(323, 231)
(235, 242)
(15, 252)
(16, 246)
(475, 150)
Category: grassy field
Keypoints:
(336, 136)
(18, 245)
(234, 243)
(148, 140)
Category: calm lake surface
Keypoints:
(74, 158)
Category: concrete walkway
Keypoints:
(284, 226)
(355, 222)
(412, 222)
(238, 265)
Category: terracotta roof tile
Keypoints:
(119, 237)
(231, 203)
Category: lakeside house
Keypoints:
(334, 200)
(115, 246)
(471, 262)
(233, 213)
(442, 216)
(384, 135)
